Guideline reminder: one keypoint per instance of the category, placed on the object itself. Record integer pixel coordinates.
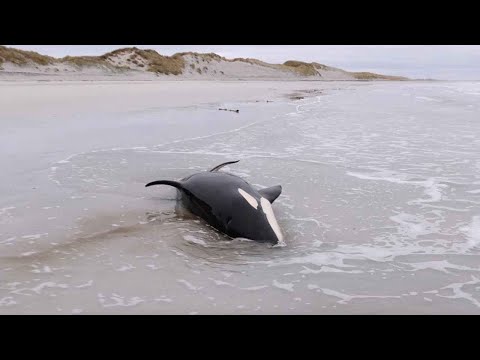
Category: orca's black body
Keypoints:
(230, 204)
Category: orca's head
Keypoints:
(253, 218)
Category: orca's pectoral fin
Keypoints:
(218, 167)
(271, 193)
(175, 184)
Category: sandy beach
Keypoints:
(380, 208)
(76, 96)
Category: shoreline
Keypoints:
(70, 97)
(75, 96)
(102, 78)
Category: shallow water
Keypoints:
(380, 206)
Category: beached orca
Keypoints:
(230, 204)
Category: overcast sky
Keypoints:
(455, 62)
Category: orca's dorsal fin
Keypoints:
(218, 167)
(175, 184)
(271, 193)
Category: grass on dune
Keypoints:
(21, 57)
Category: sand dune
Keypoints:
(139, 64)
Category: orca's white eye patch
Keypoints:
(267, 209)
(250, 199)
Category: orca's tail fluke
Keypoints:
(218, 167)
(175, 184)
